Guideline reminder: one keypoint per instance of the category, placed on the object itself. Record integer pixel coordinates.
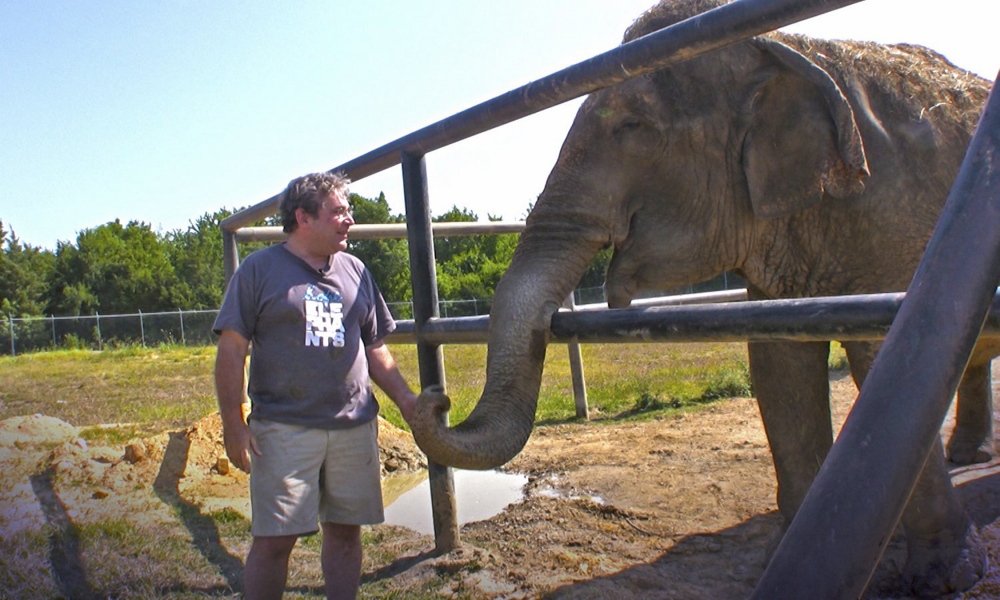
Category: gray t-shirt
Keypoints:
(309, 329)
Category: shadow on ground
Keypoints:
(204, 532)
(745, 547)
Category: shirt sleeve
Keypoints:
(380, 322)
(238, 312)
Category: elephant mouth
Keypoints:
(619, 284)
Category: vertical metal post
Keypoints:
(230, 254)
(13, 347)
(100, 341)
(576, 370)
(53, 319)
(142, 330)
(420, 239)
(180, 315)
(832, 546)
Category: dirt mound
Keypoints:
(45, 457)
(397, 450)
(36, 430)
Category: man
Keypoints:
(317, 322)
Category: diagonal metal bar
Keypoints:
(834, 543)
(716, 28)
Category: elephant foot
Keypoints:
(935, 568)
(969, 449)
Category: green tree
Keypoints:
(387, 259)
(197, 256)
(24, 271)
(114, 269)
(446, 248)
(469, 267)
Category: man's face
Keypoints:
(329, 228)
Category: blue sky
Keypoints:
(162, 111)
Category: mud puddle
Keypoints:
(479, 495)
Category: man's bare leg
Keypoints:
(266, 569)
(341, 560)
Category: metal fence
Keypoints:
(903, 419)
(581, 296)
(33, 334)
(21, 335)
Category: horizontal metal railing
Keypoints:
(374, 231)
(701, 318)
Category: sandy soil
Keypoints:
(677, 508)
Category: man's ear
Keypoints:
(301, 216)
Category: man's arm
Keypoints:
(230, 363)
(385, 373)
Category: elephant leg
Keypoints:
(944, 550)
(945, 553)
(791, 381)
(861, 355)
(972, 439)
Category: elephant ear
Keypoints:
(802, 141)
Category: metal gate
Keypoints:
(962, 261)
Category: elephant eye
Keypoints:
(626, 126)
(636, 136)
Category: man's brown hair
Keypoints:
(308, 192)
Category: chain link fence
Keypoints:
(33, 334)
(194, 327)
(446, 308)
(21, 335)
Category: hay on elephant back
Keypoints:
(918, 77)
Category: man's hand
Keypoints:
(240, 444)
(385, 373)
(230, 362)
(407, 403)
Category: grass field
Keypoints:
(152, 390)
(148, 390)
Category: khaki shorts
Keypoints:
(305, 476)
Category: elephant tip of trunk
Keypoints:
(466, 446)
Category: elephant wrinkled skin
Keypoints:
(809, 167)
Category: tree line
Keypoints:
(121, 269)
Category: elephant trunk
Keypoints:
(541, 276)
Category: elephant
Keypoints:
(810, 168)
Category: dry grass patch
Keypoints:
(148, 390)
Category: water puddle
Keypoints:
(479, 495)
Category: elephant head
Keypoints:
(680, 163)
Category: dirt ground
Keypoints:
(677, 508)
